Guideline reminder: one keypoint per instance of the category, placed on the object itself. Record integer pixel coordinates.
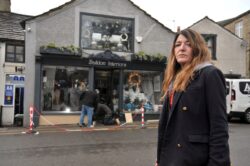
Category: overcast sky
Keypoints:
(171, 13)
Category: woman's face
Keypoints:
(183, 51)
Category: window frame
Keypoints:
(238, 28)
(133, 77)
(15, 45)
(213, 38)
(49, 84)
(131, 42)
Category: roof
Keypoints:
(225, 22)
(206, 17)
(72, 1)
(10, 28)
(228, 21)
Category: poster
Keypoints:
(9, 95)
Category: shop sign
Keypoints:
(9, 94)
(107, 63)
(15, 79)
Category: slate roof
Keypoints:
(228, 21)
(225, 22)
(10, 27)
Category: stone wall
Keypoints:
(5, 5)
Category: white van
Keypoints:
(238, 98)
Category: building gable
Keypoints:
(230, 49)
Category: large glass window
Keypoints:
(142, 89)
(106, 32)
(14, 53)
(62, 87)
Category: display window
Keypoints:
(61, 87)
(101, 32)
(142, 89)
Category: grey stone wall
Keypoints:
(229, 50)
(62, 28)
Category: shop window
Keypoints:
(211, 44)
(14, 53)
(62, 87)
(239, 29)
(105, 32)
(142, 89)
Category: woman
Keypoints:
(193, 129)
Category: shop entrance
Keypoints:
(18, 117)
(107, 82)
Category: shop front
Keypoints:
(12, 112)
(123, 85)
(122, 53)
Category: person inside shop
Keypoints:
(88, 102)
(193, 128)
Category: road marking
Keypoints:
(73, 130)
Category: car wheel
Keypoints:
(247, 116)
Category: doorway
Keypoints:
(18, 112)
(107, 82)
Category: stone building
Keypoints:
(240, 26)
(228, 50)
(12, 65)
(110, 45)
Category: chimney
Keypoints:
(178, 28)
(5, 5)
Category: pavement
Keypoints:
(12, 130)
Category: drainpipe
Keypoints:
(1, 110)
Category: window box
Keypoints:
(141, 56)
(67, 51)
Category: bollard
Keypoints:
(142, 117)
(31, 131)
(31, 118)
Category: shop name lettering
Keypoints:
(106, 63)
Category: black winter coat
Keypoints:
(89, 98)
(194, 132)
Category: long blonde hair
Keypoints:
(182, 76)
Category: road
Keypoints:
(130, 147)
(104, 148)
(239, 143)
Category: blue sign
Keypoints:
(15, 79)
(9, 95)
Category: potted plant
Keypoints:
(160, 58)
(142, 56)
(51, 48)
